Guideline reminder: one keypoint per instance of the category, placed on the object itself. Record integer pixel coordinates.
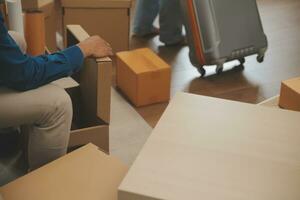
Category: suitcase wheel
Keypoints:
(260, 59)
(242, 61)
(202, 71)
(219, 69)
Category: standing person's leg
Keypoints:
(145, 13)
(171, 23)
(48, 113)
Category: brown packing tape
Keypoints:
(34, 23)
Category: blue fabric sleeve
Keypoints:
(23, 72)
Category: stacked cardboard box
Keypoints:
(51, 18)
(108, 18)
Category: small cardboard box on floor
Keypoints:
(85, 174)
(48, 7)
(143, 77)
(108, 18)
(290, 94)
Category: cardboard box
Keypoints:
(290, 94)
(4, 13)
(51, 18)
(208, 148)
(143, 77)
(85, 174)
(109, 19)
(91, 100)
(35, 4)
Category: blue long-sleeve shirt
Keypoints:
(24, 72)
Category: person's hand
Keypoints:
(95, 47)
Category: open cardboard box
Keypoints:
(91, 99)
(85, 174)
(108, 18)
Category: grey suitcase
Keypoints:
(219, 31)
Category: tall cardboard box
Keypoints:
(108, 18)
(143, 77)
(290, 94)
(92, 98)
(85, 174)
(51, 12)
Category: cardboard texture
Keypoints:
(109, 19)
(91, 100)
(290, 94)
(51, 18)
(143, 77)
(35, 4)
(4, 13)
(86, 173)
(207, 148)
(35, 32)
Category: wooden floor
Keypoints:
(281, 21)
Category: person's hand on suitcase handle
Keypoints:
(95, 47)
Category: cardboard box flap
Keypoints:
(96, 3)
(86, 173)
(143, 60)
(80, 34)
(65, 83)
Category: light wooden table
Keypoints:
(207, 148)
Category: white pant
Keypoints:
(47, 112)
